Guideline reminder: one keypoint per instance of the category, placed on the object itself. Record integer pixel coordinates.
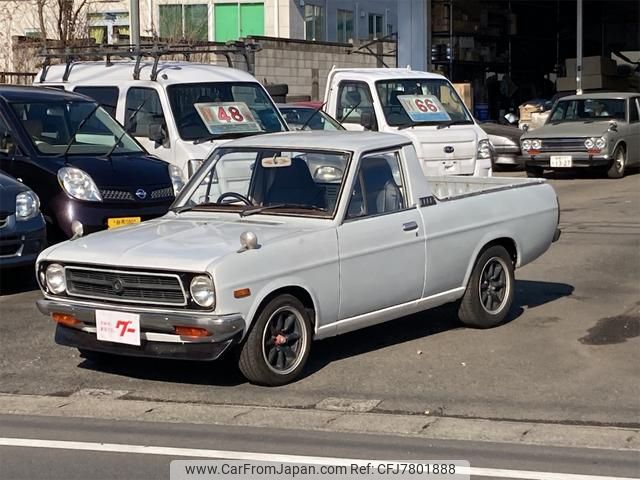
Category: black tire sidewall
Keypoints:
(252, 363)
(613, 172)
(472, 312)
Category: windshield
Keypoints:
(51, 127)
(424, 101)
(300, 182)
(588, 110)
(222, 108)
(310, 118)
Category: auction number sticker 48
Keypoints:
(227, 117)
(421, 108)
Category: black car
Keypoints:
(22, 228)
(88, 172)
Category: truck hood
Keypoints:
(183, 243)
(570, 130)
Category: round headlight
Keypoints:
(601, 143)
(202, 291)
(536, 144)
(526, 144)
(589, 143)
(55, 278)
(27, 205)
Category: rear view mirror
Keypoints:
(156, 133)
(367, 120)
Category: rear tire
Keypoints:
(619, 164)
(489, 294)
(277, 347)
(534, 172)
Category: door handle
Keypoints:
(409, 226)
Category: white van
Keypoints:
(179, 111)
(424, 107)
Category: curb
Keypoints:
(328, 416)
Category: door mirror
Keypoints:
(7, 146)
(511, 118)
(367, 120)
(156, 133)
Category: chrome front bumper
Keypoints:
(157, 336)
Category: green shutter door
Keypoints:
(226, 22)
(251, 19)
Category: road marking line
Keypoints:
(275, 457)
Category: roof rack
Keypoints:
(69, 55)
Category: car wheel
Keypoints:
(534, 172)
(277, 347)
(619, 164)
(489, 294)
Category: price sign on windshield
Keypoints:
(423, 108)
(227, 117)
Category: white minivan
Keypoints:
(179, 111)
(422, 106)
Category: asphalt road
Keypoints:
(568, 354)
(49, 456)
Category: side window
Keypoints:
(6, 141)
(107, 97)
(378, 188)
(354, 99)
(149, 111)
(634, 105)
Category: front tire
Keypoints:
(534, 172)
(277, 347)
(489, 294)
(619, 164)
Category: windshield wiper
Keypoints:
(216, 136)
(124, 132)
(80, 125)
(315, 112)
(253, 210)
(452, 122)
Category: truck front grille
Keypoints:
(129, 287)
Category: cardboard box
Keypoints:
(592, 66)
(465, 92)
(592, 82)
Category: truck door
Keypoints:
(381, 241)
(354, 106)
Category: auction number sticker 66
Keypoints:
(222, 117)
(422, 108)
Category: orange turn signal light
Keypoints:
(65, 319)
(241, 293)
(192, 332)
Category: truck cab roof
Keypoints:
(366, 74)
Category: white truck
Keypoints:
(286, 238)
(424, 107)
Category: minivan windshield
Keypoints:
(273, 181)
(222, 108)
(421, 101)
(588, 109)
(73, 128)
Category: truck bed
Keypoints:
(452, 187)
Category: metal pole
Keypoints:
(579, 49)
(134, 18)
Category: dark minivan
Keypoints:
(88, 172)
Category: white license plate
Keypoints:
(118, 327)
(450, 168)
(561, 161)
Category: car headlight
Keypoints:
(54, 276)
(202, 291)
(485, 150)
(526, 144)
(601, 143)
(327, 174)
(589, 143)
(536, 144)
(27, 206)
(177, 180)
(78, 184)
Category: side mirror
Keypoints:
(511, 118)
(156, 133)
(367, 120)
(6, 144)
(613, 126)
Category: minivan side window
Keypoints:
(107, 97)
(354, 97)
(148, 101)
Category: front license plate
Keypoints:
(118, 327)
(121, 222)
(561, 161)
(450, 168)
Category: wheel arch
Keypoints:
(504, 240)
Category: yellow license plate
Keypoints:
(121, 222)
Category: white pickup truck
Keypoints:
(282, 239)
(424, 107)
